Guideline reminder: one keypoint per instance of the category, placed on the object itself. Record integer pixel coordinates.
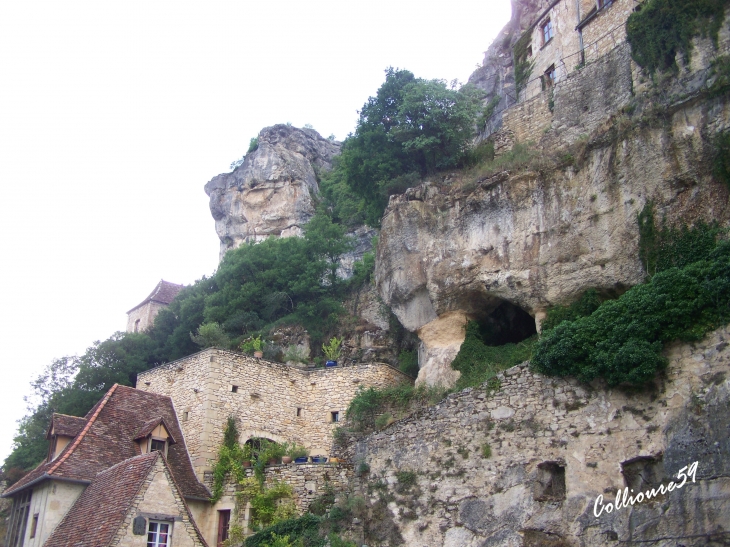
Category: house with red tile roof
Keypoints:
(118, 476)
(142, 316)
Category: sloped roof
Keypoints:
(107, 438)
(150, 426)
(63, 424)
(100, 511)
(164, 293)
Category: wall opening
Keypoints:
(550, 481)
(643, 473)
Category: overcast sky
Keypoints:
(113, 116)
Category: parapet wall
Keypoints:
(488, 462)
(269, 400)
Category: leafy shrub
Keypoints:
(306, 527)
(486, 451)
(408, 363)
(663, 28)
(211, 335)
(368, 404)
(406, 478)
(622, 340)
(586, 304)
(253, 145)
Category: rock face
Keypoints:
(523, 461)
(499, 245)
(270, 193)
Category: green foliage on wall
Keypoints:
(408, 363)
(622, 340)
(478, 362)
(662, 28)
(523, 64)
(368, 404)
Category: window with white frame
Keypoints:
(158, 534)
(547, 31)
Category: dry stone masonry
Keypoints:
(522, 459)
(268, 400)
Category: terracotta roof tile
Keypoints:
(164, 293)
(108, 438)
(63, 424)
(100, 511)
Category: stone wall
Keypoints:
(270, 400)
(606, 29)
(528, 120)
(145, 315)
(553, 446)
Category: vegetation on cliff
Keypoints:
(410, 128)
(622, 339)
(662, 28)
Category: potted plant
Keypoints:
(273, 453)
(257, 347)
(246, 455)
(332, 351)
(319, 459)
(297, 453)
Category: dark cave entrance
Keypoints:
(506, 324)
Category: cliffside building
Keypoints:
(142, 316)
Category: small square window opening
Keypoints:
(335, 416)
(186, 415)
(299, 412)
(234, 389)
(550, 76)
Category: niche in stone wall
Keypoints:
(643, 473)
(550, 481)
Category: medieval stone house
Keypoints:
(142, 316)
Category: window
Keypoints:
(136, 326)
(157, 444)
(158, 534)
(547, 31)
(528, 52)
(34, 525)
(234, 389)
(335, 416)
(643, 473)
(186, 415)
(549, 78)
(224, 520)
(299, 412)
(18, 519)
(604, 3)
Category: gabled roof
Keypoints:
(164, 293)
(101, 510)
(63, 424)
(150, 426)
(107, 438)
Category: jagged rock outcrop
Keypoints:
(270, 193)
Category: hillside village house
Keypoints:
(142, 316)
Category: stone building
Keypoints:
(565, 35)
(269, 400)
(142, 316)
(118, 476)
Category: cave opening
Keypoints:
(506, 324)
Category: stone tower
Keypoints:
(141, 317)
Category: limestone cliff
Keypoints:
(502, 245)
(270, 193)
